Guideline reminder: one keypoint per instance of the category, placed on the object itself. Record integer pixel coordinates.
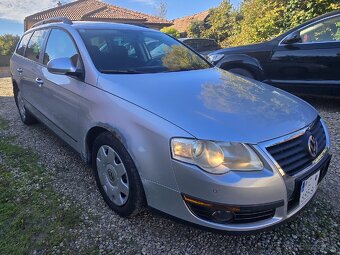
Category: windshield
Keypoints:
(133, 51)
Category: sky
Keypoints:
(13, 12)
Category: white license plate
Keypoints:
(308, 188)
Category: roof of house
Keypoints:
(90, 10)
(182, 24)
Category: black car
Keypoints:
(304, 60)
(201, 45)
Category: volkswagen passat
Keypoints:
(162, 127)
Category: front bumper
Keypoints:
(258, 200)
(172, 202)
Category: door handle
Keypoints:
(19, 70)
(39, 81)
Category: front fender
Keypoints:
(145, 136)
(242, 61)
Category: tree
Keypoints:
(196, 29)
(220, 22)
(8, 43)
(299, 11)
(171, 31)
(219, 25)
(262, 20)
(162, 9)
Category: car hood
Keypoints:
(213, 104)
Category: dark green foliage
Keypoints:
(8, 43)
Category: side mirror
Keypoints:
(63, 66)
(293, 38)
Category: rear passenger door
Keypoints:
(61, 92)
(30, 71)
(18, 60)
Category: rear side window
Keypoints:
(35, 45)
(23, 44)
(61, 45)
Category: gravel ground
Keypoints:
(314, 231)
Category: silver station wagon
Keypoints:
(164, 128)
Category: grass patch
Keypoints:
(3, 124)
(32, 215)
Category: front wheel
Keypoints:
(26, 117)
(116, 176)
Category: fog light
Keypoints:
(223, 216)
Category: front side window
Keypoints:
(35, 45)
(134, 51)
(23, 44)
(324, 31)
(61, 45)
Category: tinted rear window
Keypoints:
(23, 44)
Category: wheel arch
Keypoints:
(93, 133)
(243, 61)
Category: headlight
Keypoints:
(216, 157)
(215, 57)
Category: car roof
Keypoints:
(107, 25)
(92, 25)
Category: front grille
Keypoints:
(293, 155)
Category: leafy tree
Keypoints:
(261, 20)
(8, 43)
(220, 22)
(196, 29)
(171, 31)
(299, 11)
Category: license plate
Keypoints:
(308, 188)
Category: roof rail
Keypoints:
(54, 20)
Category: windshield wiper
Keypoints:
(128, 71)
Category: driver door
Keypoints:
(61, 93)
(310, 66)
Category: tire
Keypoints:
(242, 72)
(26, 117)
(116, 176)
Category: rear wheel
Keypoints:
(26, 117)
(242, 72)
(116, 176)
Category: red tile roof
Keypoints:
(89, 10)
(182, 24)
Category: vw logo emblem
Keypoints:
(312, 146)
